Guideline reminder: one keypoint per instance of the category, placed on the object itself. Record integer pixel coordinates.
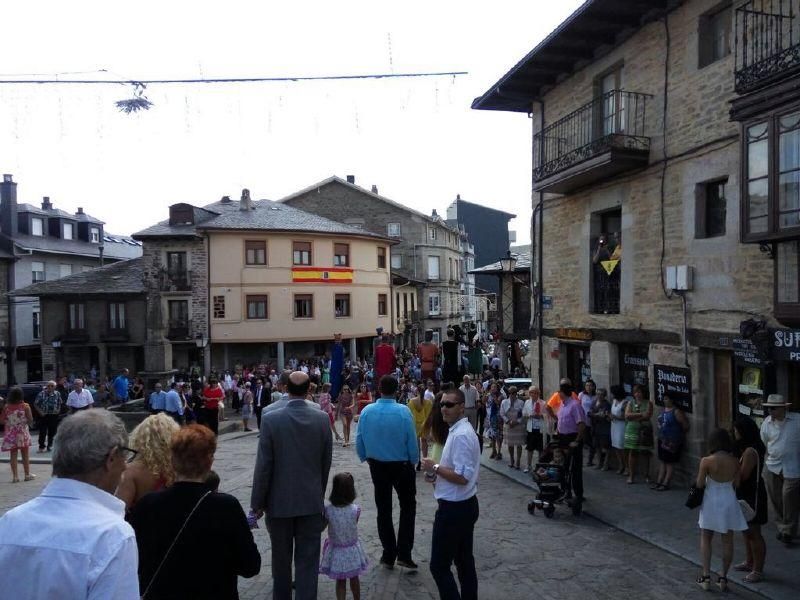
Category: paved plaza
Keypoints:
(518, 556)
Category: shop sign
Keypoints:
(786, 344)
(746, 351)
(547, 302)
(675, 382)
(574, 334)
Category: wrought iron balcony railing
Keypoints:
(179, 329)
(767, 43)
(612, 124)
(175, 280)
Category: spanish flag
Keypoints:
(322, 275)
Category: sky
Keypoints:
(416, 139)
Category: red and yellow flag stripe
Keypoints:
(322, 275)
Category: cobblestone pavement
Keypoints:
(519, 557)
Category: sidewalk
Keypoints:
(661, 519)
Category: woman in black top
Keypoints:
(216, 532)
(750, 450)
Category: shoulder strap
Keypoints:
(172, 545)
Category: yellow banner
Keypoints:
(609, 265)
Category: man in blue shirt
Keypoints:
(173, 405)
(158, 400)
(120, 387)
(387, 440)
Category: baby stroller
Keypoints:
(552, 477)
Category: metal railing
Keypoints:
(175, 280)
(605, 291)
(614, 120)
(179, 329)
(767, 42)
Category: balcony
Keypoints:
(767, 43)
(605, 291)
(75, 336)
(175, 280)
(601, 139)
(179, 329)
(115, 335)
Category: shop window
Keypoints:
(341, 255)
(255, 252)
(257, 307)
(383, 305)
(219, 307)
(301, 253)
(710, 208)
(634, 368)
(303, 306)
(381, 257)
(341, 305)
(714, 36)
(787, 282)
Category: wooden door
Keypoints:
(723, 389)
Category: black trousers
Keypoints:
(211, 419)
(48, 424)
(258, 410)
(574, 463)
(298, 537)
(401, 477)
(451, 543)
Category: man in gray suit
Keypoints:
(282, 386)
(291, 474)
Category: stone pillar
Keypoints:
(353, 349)
(281, 357)
(207, 360)
(48, 360)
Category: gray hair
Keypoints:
(84, 441)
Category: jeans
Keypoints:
(451, 542)
(401, 477)
(48, 424)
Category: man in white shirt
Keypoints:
(470, 401)
(780, 433)
(72, 540)
(79, 398)
(456, 486)
(430, 394)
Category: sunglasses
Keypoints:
(450, 404)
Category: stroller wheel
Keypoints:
(531, 507)
(549, 511)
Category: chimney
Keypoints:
(245, 203)
(8, 206)
(458, 196)
(351, 179)
(80, 211)
(226, 200)
(46, 204)
(434, 213)
(374, 189)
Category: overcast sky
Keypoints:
(416, 139)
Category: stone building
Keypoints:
(259, 281)
(635, 148)
(428, 251)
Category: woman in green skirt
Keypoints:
(638, 432)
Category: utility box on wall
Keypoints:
(679, 278)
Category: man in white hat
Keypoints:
(780, 433)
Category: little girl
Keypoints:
(343, 557)
(346, 413)
(327, 408)
(16, 415)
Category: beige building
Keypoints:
(636, 147)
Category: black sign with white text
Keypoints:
(786, 344)
(675, 382)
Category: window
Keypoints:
(77, 316)
(68, 229)
(37, 271)
(257, 307)
(176, 263)
(219, 307)
(612, 117)
(710, 209)
(255, 252)
(116, 315)
(434, 304)
(771, 191)
(714, 35)
(381, 257)
(64, 270)
(94, 235)
(606, 249)
(37, 324)
(341, 255)
(303, 306)
(397, 261)
(178, 311)
(432, 233)
(301, 253)
(393, 229)
(341, 305)
(433, 267)
(383, 309)
(787, 282)
(37, 226)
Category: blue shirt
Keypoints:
(172, 402)
(121, 387)
(158, 400)
(386, 433)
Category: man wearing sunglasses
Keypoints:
(72, 541)
(456, 486)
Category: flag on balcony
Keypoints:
(322, 275)
(609, 265)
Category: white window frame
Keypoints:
(438, 270)
(40, 221)
(34, 270)
(397, 261)
(62, 270)
(393, 229)
(434, 304)
(432, 233)
(116, 316)
(65, 227)
(94, 235)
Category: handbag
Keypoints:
(172, 545)
(645, 437)
(695, 497)
(748, 511)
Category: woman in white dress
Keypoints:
(618, 404)
(720, 511)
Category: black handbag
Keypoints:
(695, 498)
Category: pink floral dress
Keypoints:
(342, 554)
(17, 435)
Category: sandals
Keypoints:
(722, 584)
(704, 581)
(15, 480)
(743, 567)
(30, 477)
(753, 577)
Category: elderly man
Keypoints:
(79, 398)
(72, 541)
(780, 433)
(571, 429)
(291, 473)
(282, 386)
(48, 406)
(158, 400)
(471, 397)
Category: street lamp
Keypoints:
(508, 263)
(201, 341)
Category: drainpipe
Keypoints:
(539, 268)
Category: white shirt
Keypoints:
(529, 410)
(510, 411)
(79, 399)
(71, 541)
(429, 395)
(462, 454)
(782, 439)
(470, 396)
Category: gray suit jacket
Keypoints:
(294, 458)
(284, 401)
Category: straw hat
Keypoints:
(776, 400)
